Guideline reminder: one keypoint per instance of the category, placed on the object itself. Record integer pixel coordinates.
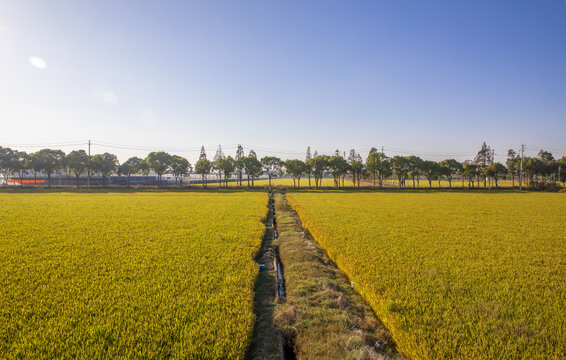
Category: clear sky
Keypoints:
(436, 78)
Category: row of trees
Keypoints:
(79, 163)
(543, 169)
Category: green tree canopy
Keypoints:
(272, 166)
(180, 167)
(226, 165)
(400, 166)
(296, 169)
(105, 164)
(450, 168)
(253, 167)
(51, 161)
(160, 162)
(338, 167)
(203, 168)
(131, 166)
(77, 163)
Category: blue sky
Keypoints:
(436, 78)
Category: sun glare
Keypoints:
(38, 62)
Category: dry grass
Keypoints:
(322, 314)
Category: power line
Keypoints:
(59, 144)
(391, 149)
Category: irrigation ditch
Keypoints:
(305, 307)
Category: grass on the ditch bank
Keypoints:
(322, 314)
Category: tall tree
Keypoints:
(272, 166)
(35, 165)
(253, 167)
(131, 166)
(495, 171)
(400, 166)
(338, 167)
(482, 160)
(562, 170)
(227, 166)
(202, 153)
(308, 158)
(239, 163)
(215, 163)
(145, 169)
(533, 167)
(450, 168)
(356, 165)
(550, 165)
(378, 164)
(470, 171)
(19, 163)
(203, 167)
(296, 168)
(160, 162)
(180, 167)
(415, 167)
(319, 164)
(51, 161)
(431, 171)
(512, 161)
(77, 163)
(105, 164)
(5, 158)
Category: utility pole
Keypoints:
(382, 149)
(521, 172)
(88, 168)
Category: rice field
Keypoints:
(452, 275)
(128, 275)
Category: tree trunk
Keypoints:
(35, 177)
(77, 175)
(49, 180)
(429, 182)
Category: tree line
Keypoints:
(543, 171)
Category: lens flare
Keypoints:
(38, 62)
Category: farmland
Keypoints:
(452, 274)
(122, 275)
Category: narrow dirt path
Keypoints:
(267, 341)
(322, 317)
(304, 305)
